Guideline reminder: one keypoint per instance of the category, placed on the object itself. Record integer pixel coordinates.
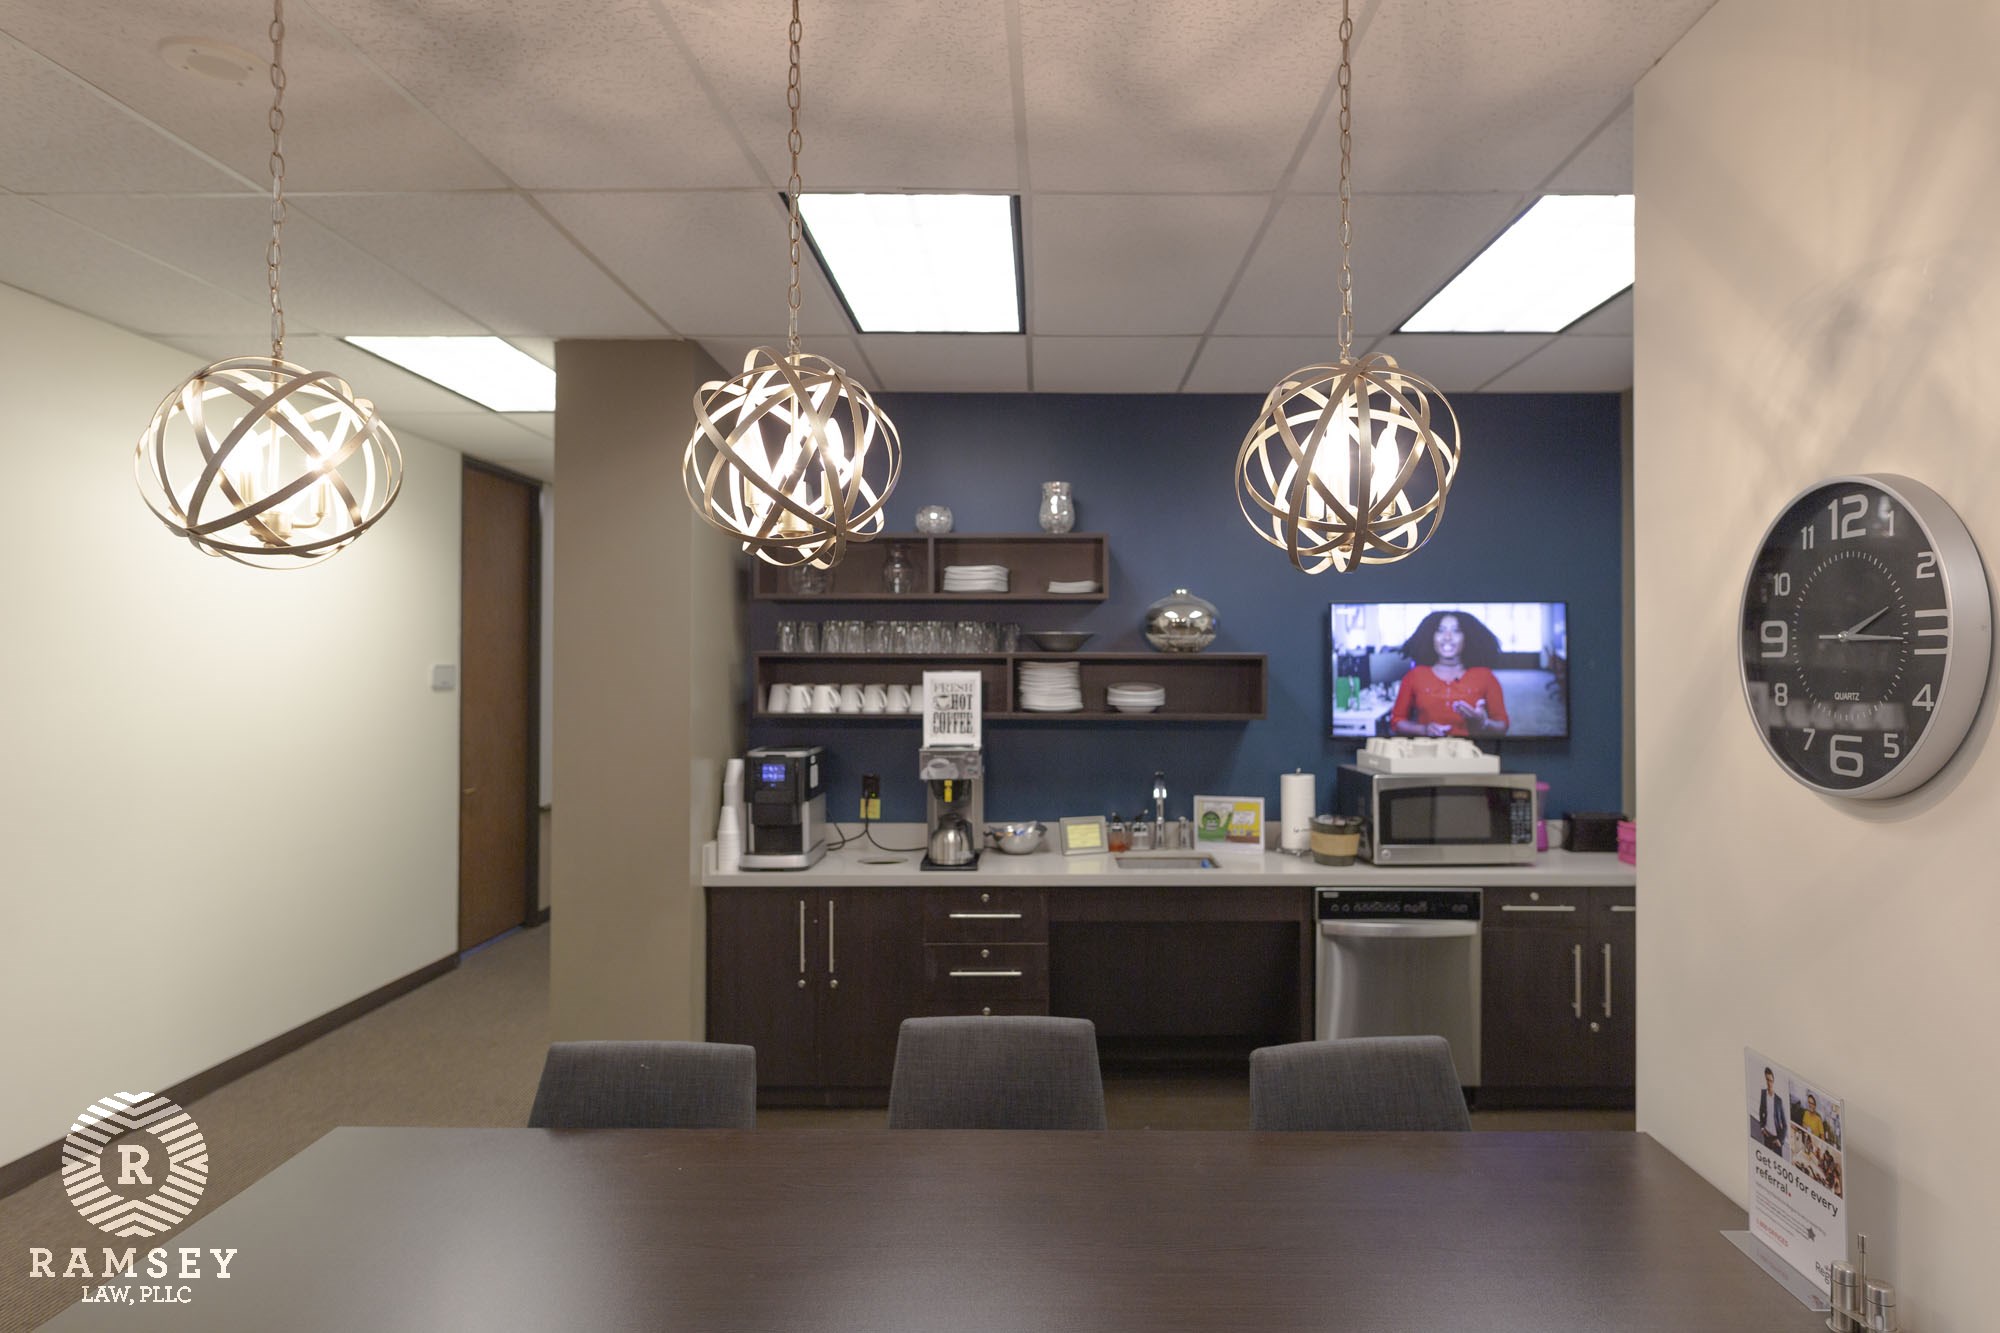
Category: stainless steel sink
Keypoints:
(1169, 861)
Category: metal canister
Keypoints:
(1843, 1292)
(1878, 1304)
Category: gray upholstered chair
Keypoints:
(1357, 1083)
(646, 1085)
(1008, 1072)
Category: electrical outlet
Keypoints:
(871, 797)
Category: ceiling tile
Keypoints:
(712, 264)
(64, 135)
(729, 354)
(328, 284)
(488, 436)
(346, 128)
(1458, 362)
(1168, 95)
(1146, 264)
(1406, 246)
(1492, 96)
(494, 255)
(542, 349)
(1111, 365)
(53, 257)
(948, 363)
(1602, 166)
(1253, 365)
(393, 390)
(897, 94)
(535, 423)
(1612, 319)
(559, 96)
(1572, 364)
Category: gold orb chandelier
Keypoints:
(259, 460)
(791, 457)
(1346, 465)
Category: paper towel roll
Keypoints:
(1296, 800)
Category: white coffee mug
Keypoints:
(850, 698)
(899, 699)
(874, 698)
(802, 699)
(781, 699)
(826, 698)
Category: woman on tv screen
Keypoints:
(1451, 691)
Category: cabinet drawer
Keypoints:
(1546, 909)
(961, 975)
(976, 914)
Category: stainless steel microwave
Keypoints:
(1440, 819)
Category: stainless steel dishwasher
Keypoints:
(1401, 962)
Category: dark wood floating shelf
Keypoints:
(1200, 687)
(1033, 560)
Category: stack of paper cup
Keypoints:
(728, 841)
(1295, 811)
(732, 784)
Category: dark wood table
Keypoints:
(437, 1229)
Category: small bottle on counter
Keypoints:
(1120, 837)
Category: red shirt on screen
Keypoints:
(1424, 699)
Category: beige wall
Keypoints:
(646, 693)
(1819, 293)
(229, 797)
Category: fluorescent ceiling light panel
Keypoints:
(920, 263)
(489, 371)
(1562, 259)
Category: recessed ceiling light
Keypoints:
(490, 372)
(211, 59)
(920, 263)
(1561, 259)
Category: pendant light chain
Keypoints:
(792, 186)
(1345, 79)
(274, 254)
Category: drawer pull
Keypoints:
(1518, 907)
(1577, 951)
(1607, 981)
(985, 972)
(1623, 907)
(985, 916)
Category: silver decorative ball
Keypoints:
(267, 463)
(933, 520)
(1182, 623)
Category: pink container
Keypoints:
(1628, 842)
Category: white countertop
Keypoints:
(860, 863)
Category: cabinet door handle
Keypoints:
(985, 916)
(985, 972)
(1576, 954)
(830, 968)
(802, 941)
(1549, 907)
(1607, 981)
(1624, 907)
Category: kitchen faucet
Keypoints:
(1159, 799)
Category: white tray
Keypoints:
(1376, 763)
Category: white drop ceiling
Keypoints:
(541, 169)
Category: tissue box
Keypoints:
(1628, 842)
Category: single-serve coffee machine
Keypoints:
(786, 794)
(954, 807)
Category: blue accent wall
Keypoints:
(1534, 516)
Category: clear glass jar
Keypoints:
(1058, 512)
(933, 519)
(807, 580)
(899, 575)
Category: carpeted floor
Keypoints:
(467, 1050)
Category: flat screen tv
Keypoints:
(1488, 670)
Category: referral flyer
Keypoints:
(1798, 1193)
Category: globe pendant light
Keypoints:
(791, 457)
(1345, 465)
(260, 460)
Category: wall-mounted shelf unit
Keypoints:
(1200, 687)
(1033, 560)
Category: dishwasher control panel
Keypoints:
(1399, 904)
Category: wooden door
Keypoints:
(1533, 979)
(764, 979)
(871, 944)
(498, 702)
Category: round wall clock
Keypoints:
(1867, 630)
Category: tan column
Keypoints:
(648, 685)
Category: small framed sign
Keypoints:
(1084, 835)
(1232, 824)
(951, 710)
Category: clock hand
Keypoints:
(1863, 623)
(1872, 638)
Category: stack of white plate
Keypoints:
(1135, 696)
(1051, 687)
(975, 578)
(1073, 585)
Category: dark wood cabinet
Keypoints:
(1556, 997)
(819, 981)
(986, 950)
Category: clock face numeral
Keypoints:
(1845, 514)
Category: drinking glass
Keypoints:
(881, 636)
(1008, 638)
(808, 636)
(788, 636)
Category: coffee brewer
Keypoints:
(954, 807)
(786, 793)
